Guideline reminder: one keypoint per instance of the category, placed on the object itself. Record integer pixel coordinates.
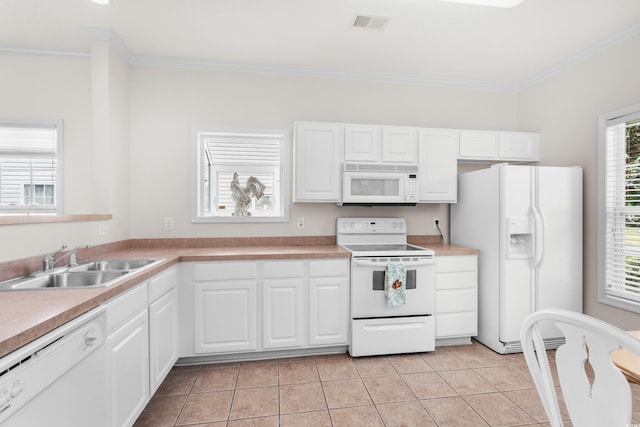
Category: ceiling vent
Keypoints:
(371, 22)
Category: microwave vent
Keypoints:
(377, 167)
(407, 168)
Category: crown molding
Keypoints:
(106, 34)
(601, 46)
(12, 50)
(171, 62)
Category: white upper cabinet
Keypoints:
(478, 145)
(399, 144)
(519, 146)
(380, 144)
(499, 146)
(321, 148)
(438, 166)
(318, 152)
(362, 143)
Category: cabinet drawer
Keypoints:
(456, 263)
(456, 280)
(225, 270)
(161, 284)
(126, 306)
(404, 335)
(456, 324)
(457, 300)
(275, 269)
(324, 268)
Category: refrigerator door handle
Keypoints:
(539, 237)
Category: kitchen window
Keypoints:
(241, 176)
(30, 168)
(619, 209)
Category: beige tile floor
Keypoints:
(454, 386)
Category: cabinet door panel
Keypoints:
(225, 316)
(478, 145)
(318, 153)
(362, 144)
(438, 166)
(163, 339)
(282, 323)
(328, 310)
(399, 145)
(128, 371)
(519, 146)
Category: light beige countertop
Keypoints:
(28, 314)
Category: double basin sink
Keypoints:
(87, 274)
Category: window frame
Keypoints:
(197, 197)
(605, 120)
(34, 210)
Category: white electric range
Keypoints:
(377, 328)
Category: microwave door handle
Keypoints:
(408, 264)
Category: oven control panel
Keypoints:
(372, 226)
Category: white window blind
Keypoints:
(622, 198)
(28, 168)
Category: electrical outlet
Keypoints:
(300, 223)
(103, 230)
(436, 222)
(168, 223)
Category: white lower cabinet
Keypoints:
(282, 304)
(456, 297)
(163, 327)
(225, 307)
(328, 302)
(141, 345)
(127, 357)
(241, 306)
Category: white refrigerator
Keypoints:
(527, 223)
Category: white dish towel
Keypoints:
(395, 287)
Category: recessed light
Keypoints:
(101, 2)
(491, 3)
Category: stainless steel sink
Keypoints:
(76, 279)
(88, 274)
(113, 264)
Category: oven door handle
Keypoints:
(408, 264)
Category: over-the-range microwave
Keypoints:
(369, 184)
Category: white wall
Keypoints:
(91, 96)
(51, 87)
(565, 109)
(167, 103)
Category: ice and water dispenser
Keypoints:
(521, 240)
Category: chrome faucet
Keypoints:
(49, 261)
(73, 258)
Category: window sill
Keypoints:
(44, 219)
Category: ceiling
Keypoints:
(425, 41)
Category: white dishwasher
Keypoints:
(59, 379)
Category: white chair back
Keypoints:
(600, 398)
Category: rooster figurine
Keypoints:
(242, 196)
